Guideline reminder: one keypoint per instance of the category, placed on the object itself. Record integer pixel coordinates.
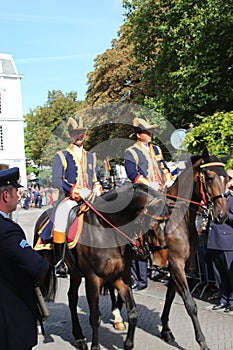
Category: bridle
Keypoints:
(208, 201)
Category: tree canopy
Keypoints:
(215, 132)
(44, 132)
(187, 49)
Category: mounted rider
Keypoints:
(76, 175)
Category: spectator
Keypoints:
(220, 249)
(21, 267)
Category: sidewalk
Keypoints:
(216, 325)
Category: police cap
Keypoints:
(10, 177)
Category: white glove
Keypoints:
(85, 193)
(168, 183)
(154, 185)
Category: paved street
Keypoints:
(216, 325)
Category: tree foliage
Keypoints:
(45, 133)
(216, 133)
(117, 76)
(187, 49)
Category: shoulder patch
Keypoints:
(24, 243)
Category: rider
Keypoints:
(76, 174)
(144, 163)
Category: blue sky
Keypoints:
(54, 43)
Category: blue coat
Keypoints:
(220, 237)
(21, 266)
(67, 170)
(139, 163)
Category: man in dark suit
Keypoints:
(220, 249)
(21, 267)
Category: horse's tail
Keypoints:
(49, 285)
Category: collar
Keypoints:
(4, 214)
(143, 144)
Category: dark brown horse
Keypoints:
(104, 253)
(174, 245)
(207, 185)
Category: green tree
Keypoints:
(216, 133)
(187, 49)
(45, 131)
(116, 76)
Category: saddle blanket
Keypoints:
(74, 233)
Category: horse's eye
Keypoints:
(210, 179)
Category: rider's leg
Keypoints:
(59, 236)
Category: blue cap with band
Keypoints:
(10, 177)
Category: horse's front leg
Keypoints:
(166, 333)
(118, 321)
(127, 297)
(80, 340)
(93, 292)
(180, 280)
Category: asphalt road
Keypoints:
(216, 325)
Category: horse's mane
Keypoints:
(127, 195)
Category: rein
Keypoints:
(133, 242)
(109, 223)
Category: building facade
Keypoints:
(12, 152)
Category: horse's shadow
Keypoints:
(59, 323)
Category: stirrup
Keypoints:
(61, 269)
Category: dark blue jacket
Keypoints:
(66, 169)
(138, 163)
(220, 237)
(21, 266)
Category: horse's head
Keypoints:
(211, 179)
(154, 212)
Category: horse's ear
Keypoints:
(226, 158)
(205, 153)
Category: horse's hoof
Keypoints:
(128, 346)
(167, 336)
(96, 347)
(120, 326)
(81, 344)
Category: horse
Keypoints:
(104, 253)
(174, 246)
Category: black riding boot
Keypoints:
(61, 269)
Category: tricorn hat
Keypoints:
(73, 126)
(141, 125)
(10, 177)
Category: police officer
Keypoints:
(220, 249)
(21, 267)
(76, 175)
(144, 163)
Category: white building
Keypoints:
(12, 153)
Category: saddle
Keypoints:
(74, 229)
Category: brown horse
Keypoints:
(104, 253)
(180, 236)
(174, 243)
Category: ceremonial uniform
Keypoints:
(76, 175)
(68, 169)
(220, 245)
(21, 267)
(144, 163)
